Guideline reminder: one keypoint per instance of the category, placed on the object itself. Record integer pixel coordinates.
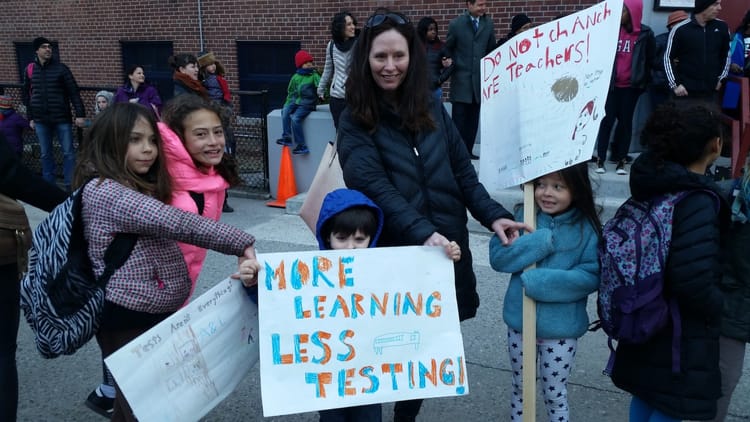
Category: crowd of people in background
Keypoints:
(408, 167)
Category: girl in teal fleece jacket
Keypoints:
(564, 249)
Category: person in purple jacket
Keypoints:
(12, 125)
(136, 90)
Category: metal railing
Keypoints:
(250, 134)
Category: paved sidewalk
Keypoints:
(54, 390)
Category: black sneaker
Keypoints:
(100, 404)
(300, 149)
(287, 142)
(226, 207)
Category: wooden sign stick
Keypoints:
(529, 321)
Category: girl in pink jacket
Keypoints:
(201, 172)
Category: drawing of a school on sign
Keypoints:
(340, 328)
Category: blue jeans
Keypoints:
(640, 411)
(438, 94)
(45, 132)
(292, 117)
(9, 314)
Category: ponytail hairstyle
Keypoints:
(176, 112)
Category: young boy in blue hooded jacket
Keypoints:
(349, 220)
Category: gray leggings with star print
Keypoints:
(555, 362)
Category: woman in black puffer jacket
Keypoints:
(682, 143)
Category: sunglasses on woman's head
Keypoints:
(378, 19)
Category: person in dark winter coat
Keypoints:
(403, 152)
(48, 90)
(682, 143)
(185, 75)
(12, 125)
(439, 64)
(17, 182)
(701, 47)
(735, 285)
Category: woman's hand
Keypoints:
(451, 248)
(507, 230)
(248, 270)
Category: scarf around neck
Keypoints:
(192, 84)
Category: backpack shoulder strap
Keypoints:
(117, 253)
(199, 199)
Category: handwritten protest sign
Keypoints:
(182, 368)
(350, 327)
(543, 96)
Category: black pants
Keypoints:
(337, 105)
(9, 314)
(466, 118)
(619, 108)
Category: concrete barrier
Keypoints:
(318, 129)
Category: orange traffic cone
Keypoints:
(287, 187)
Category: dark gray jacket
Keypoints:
(49, 93)
(467, 49)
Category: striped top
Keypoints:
(155, 278)
(335, 72)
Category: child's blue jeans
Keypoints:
(640, 411)
(292, 116)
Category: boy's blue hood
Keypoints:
(343, 199)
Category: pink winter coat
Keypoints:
(186, 177)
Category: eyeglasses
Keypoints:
(378, 19)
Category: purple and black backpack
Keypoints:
(633, 255)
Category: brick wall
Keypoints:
(89, 31)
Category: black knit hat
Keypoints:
(518, 21)
(701, 5)
(38, 42)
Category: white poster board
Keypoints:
(543, 96)
(351, 327)
(182, 368)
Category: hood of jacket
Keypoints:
(650, 176)
(343, 199)
(635, 7)
(186, 176)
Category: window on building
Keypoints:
(152, 55)
(265, 65)
(25, 54)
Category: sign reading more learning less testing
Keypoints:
(351, 327)
(543, 96)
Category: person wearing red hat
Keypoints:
(701, 47)
(301, 100)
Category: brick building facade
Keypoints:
(92, 35)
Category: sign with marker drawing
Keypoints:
(543, 96)
(186, 365)
(350, 327)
